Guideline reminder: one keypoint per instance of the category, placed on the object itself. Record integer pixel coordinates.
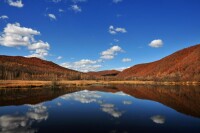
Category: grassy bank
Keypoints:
(25, 83)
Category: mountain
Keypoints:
(183, 65)
(22, 68)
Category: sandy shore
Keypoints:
(25, 83)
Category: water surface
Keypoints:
(116, 109)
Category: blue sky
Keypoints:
(93, 35)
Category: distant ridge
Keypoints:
(105, 73)
(183, 65)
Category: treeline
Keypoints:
(23, 73)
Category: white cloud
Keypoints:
(61, 10)
(116, 40)
(117, 1)
(39, 53)
(59, 57)
(76, 1)
(15, 36)
(76, 8)
(156, 43)
(84, 65)
(52, 16)
(112, 30)
(39, 45)
(158, 119)
(111, 52)
(17, 3)
(56, 1)
(126, 60)
(120, 68)
(3, 17)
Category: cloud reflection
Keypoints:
(127, 102)
(158, 119)
(22, 123)
(87, 97)
(83, 96)
(110, 109)
(121, 93)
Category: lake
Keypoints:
(101, 109)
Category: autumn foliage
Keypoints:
(183, 65)
(22, 68)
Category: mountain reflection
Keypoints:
(184, 99)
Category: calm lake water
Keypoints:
(95, 109)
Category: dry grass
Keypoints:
(22, 83)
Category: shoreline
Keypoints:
(80, 83)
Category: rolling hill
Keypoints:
(22, 68)
(183, 65)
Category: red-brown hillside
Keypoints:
(182, 65)
(22, 68)
(105, 73)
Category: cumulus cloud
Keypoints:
(61, 10)
(59, 57)
(76, 1)
(76, 8)
(111, 52)
(84, 65)
(120, 68)
(39, 53)
(56, 1)
(158, 119)
(15, 36)
(112, 30)
(3, 17)
(156, 43)
(116, 40)
(126, 60)
(39, 45)
(17, 3)
(52, 16)
(117, 1)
